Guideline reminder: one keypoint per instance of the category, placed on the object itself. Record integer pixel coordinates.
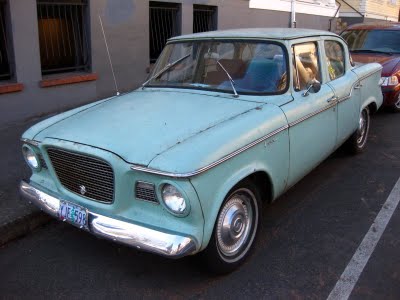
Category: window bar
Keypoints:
(51, 36)
(66, 26)
(163, 25)
(203, 19)
(84, 33)
(64, 42)
(62, 29)
(57, 37)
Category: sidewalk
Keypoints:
(17, 217)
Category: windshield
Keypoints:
(387, 41)
(254, 67)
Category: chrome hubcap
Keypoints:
(234, 224)
(362, 127)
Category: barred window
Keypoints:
(5, 51)
(164, 24)
(204, 18)
(63, 35)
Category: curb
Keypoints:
(22, 226)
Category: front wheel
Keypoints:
(235, 229)
(358, 140)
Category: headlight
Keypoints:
(173, 199)
(389, 81)
(30, 157)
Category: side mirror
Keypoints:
(313, 86)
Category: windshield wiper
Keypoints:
(230, 79)
(371, 51)
(163, 70)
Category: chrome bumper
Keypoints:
(143, 238)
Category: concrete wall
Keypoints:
(126, 23)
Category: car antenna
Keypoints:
(109, 57)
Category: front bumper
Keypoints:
(140, 237)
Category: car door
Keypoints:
(341, 79)
(312, 115)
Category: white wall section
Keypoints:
(310, 7)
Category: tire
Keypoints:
(396, 107)
(231, 244)
(358, 140)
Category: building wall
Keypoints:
(371, 9)
(126, 24)
(383, 9)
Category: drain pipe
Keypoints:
(293, 15)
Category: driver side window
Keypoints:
(306, 65)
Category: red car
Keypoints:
(379, 42)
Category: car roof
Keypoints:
(375, 25)
(257, 33)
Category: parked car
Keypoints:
(227, 122)
(379, 42)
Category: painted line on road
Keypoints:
(351, 274)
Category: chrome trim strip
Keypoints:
(260, 140)
(31, 142)
(212, 165)
(306, 117)
(140, 237)
(356, 83)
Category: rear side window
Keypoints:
(335, 61)
(306, 65)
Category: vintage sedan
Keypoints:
(379, 42)
(226, 123)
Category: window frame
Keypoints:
(344, 59)
(6, 37)
(79, 37)
(285, 50)
(213, 15)
(294, 64)
(178, 27)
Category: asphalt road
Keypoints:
(308, 237)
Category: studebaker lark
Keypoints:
(227, 122)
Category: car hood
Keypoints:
(388, 62)
(141, 125)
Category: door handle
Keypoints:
(333, 99)
(358, 86)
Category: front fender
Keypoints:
(212, 187)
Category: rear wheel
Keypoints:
(235, 229)
(358, 140)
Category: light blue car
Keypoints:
(226, 123)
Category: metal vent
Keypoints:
(84, 175)
(145, 191)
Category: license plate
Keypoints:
(74, 214)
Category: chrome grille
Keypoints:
(84, 175)
(145, 191)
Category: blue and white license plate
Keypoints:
(74, 214)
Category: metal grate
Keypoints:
(145, 191)
(5, 71)
(63, 35)
(204, 18)
(84, 175)
(164, 24)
